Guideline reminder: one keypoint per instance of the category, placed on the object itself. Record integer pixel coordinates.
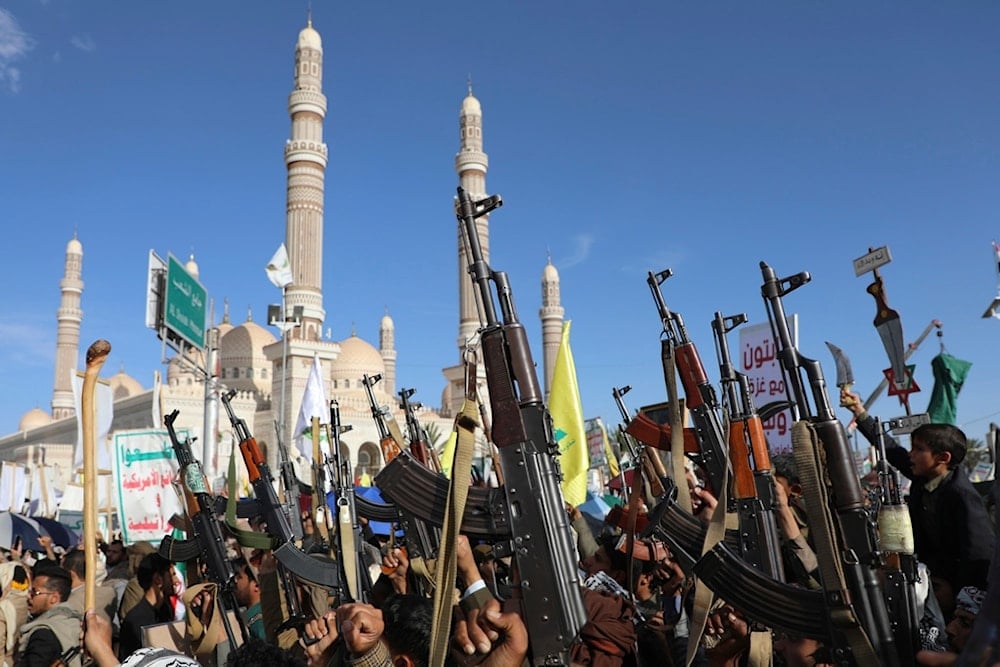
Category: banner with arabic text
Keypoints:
(145, 468)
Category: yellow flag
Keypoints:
(447, 457)
(609, 453)
(567, 424)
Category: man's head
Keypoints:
(935, 449)
(155, 573)
(50, 586)
(114, 553)
(75, 562)
(408, 620)
(967, 606)
(245, 585)
(607, 559)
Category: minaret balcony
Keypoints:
(471, 160)
(307, 100)
(309, 151)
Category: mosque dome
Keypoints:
(183, 370)
(309, 38)
(470, 105)
(357, 358)
(241, 352)
(34, 418)
(124, 385)
(74, 247)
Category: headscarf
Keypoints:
(970, 599)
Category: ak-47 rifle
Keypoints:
(387, 442)
(420, 447)
(852, 619)
(205, 528)
(753, 481)
(544, 554)
(290, 482)
(288, 555)
(900, 564)
(349, 544)
(649, 462)
(698, 391)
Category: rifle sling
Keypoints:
(677, 458)
(446, 567)
(808, 453)
(704, 597)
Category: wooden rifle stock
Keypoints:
(657, 436)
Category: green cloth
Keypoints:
(949, 375)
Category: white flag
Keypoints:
(279, 271)
(314, 404)
(105, 400)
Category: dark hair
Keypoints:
(258, 653)
(76, 561)
(150, 565)
(408, 620)
(940, 438)
(57, 580)
(241, 565)
(20, 575)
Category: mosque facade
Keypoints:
(253, 361)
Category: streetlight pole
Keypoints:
(278, 317)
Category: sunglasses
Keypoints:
(32, 592)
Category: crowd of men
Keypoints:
(639, 600)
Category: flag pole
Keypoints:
(97, 354)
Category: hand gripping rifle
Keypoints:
(547, 576)
(287, 554)
(853, 610)
(698, 391)
(420, 447)
(753, 482)
(205, 528)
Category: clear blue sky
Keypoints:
(624, 137)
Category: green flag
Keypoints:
(949, 374)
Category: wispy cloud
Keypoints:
(28, 344)
(657, 261)
(84, 43)
(582, 243)
(14, 45)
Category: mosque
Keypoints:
(251, 359)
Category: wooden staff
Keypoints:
(97, 354)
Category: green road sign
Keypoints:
(185, 304)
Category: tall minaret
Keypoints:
(387, 348)
(305, 158)
(551, 314)
(68, 317)
(471, 164)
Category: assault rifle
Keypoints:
(287, 554)
(698, 391)
(205, 529)
(753, 482)
(291, 483)
(544, 553)
(420, 447)
(387, 442)
(349, 544)
(900, 564)
(643, 460)
(852, 619)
